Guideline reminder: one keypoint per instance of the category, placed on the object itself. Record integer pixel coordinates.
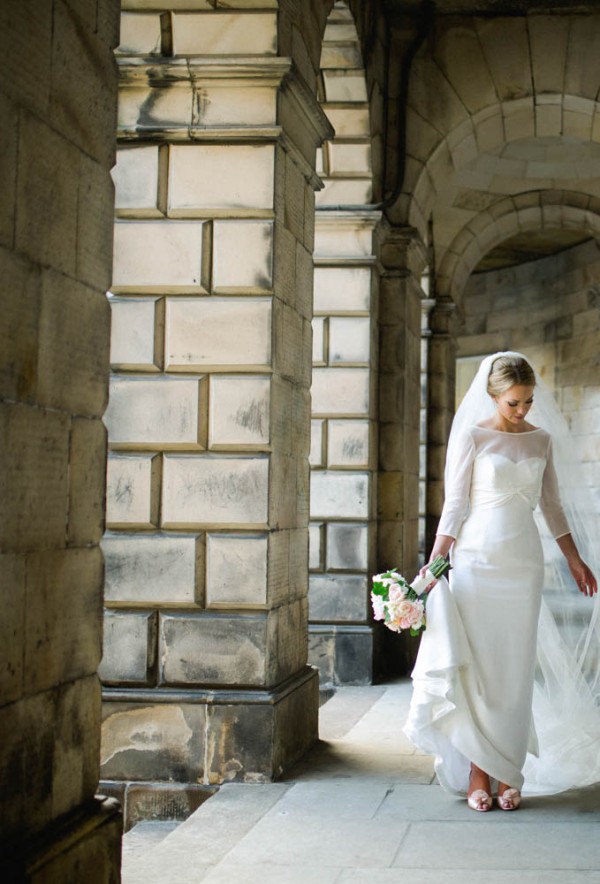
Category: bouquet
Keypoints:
(398, 603)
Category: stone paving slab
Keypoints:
(360, 809)
(460, 876)
(491, 844)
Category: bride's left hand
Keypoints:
(583, 577)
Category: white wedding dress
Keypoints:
(474, 675)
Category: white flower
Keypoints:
(378, 607)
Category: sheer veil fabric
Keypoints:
(564, 751)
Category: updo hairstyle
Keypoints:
(507, 372)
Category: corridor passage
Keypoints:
(363, 808)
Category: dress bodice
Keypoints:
(496, 480)
(495, 468)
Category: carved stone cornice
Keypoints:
(280, 74)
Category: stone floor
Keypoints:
(362, 808)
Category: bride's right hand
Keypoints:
(423, 573)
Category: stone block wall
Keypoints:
(209, 410)
(55, 253)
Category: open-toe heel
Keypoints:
(509, 800)
(480, 800)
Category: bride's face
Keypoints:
(514, 404)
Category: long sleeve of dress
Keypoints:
(458, 488)
(550, 504)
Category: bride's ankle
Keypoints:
(479, 779)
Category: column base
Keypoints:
(85, 846)
(342, 654)
(194, 738)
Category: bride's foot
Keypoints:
(508, 798)
(479, 796)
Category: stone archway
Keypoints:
(502, 146)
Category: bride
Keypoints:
(505, 683)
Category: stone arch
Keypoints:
(502, 145)
(467, 95)
(537, 210)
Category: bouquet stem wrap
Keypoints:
(435, 569)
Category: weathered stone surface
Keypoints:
(317, 454)
(347, 546)
(163, 801)
(163, 256)
(239, 414)
(348, 443)
(142, 107)
(231, 178)
(136, 179)
(337, 597)
(135, 326)
(349, 340)
(242, 257)
(153, 569)
(340, 392)
(45, 770)
(339, 494)
(12, 626)
(33, 483)
(132, 491)
(230, 333)
(46, 223)
(134, 735)
(73, 346)
(129, 647)
(140, 34)
(224, 34)
(236, 570)
(215, 649)
(257, 743)
(8, 168)
(319, 329)
(83, 83)
(20, 326)
(94, 232)
(215, 490)
(90, 850)
(287, 640)
(345, 656)
(87, 466)
(345, 86)
(75, 577)
(316, 535)
(157, 413)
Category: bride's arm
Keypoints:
(557, 523)
(585, 580)
(456, 503)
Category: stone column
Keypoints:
(441, 368)
(55, 258)
(206, 629)
(343, 454)
(404, 258)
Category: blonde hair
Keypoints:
(508, 371)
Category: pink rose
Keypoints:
(396, 593)
(412, 615)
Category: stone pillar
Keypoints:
(442, 368)
(55, 256)
(206, 628)
(404, 258)
(343, 452)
